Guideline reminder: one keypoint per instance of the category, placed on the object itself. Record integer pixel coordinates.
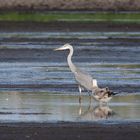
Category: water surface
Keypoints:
(44, 107)
(30, 69)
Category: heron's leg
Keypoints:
(80, 91)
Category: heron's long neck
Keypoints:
(71, 65)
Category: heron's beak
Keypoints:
(64, 47)
(58, 49)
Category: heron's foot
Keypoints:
(80, 99)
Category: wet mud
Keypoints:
(69, 131)
(70, 26)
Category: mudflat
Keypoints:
(67, 130)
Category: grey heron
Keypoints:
(84, 80)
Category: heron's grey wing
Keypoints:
(83, 79)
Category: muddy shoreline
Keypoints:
(6, 26)
(67, 130)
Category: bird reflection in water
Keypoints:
(97, 112)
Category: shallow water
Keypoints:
(44, 107)
(27, 59)
(29, 64)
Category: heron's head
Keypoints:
(64, 47)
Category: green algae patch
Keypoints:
(71, 17)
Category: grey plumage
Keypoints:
(83, 79)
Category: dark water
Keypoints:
(29, 64)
